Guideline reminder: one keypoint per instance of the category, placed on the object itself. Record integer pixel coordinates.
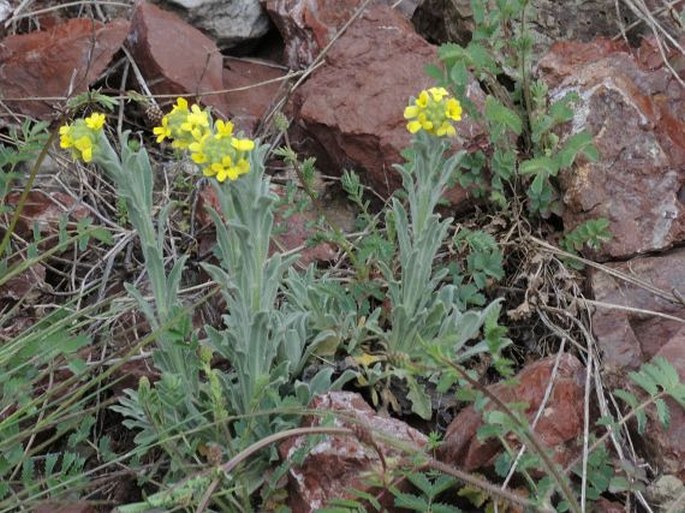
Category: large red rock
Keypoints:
(336, 464)
(252, 88)
(56, 63)
(558, 428)
(635, 109)
(308, 26)
(176, 58)
(351, 109)
(628, 338)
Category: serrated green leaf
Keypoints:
(663, 412)
(582, 142)
(421, 481)
(440, 507)
(539, 166)
(627, 397)
(413, 502)
(498, 114)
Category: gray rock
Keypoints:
(229, 22)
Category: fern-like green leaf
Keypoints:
(413, 502)
(577, 143)
(663, 412)
(498, 114)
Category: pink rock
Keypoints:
(627, 339)
(176, 58)
(59, 62)
(636, 114)
(253, 88)
(352, 107)
(558, 428)
(337, 463)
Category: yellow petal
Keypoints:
(243, 144)
(224, 129)
(422, 100)
(95, 121)
(454, 109)
(414, 126)
(438, 93)
(411, 112)
(87, 154)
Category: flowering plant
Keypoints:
(433, 111)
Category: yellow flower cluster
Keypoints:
(433, 111)
(82, 135)
(213, 146)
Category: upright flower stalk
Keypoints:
(131, 172)
(255, 330)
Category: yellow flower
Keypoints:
(182, 125)
(95, 121)
(243, 144)
(85, 146)
(82, 137)
(181, 105)
(433, 111)
(163, 131)
(196, 122)
(223, 129)
(454, 109)
(212, 145)
(65, 138)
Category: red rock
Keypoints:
(637, 117)
(294, 232)
(45, 210)
(336, 463)
(352, 106)
(558, 428)
(627, 339)
(667, 446)
(176, 58)
(59, 62)
(254, 87)
(31, 281)
(307, 26)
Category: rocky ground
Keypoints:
(342, 71)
